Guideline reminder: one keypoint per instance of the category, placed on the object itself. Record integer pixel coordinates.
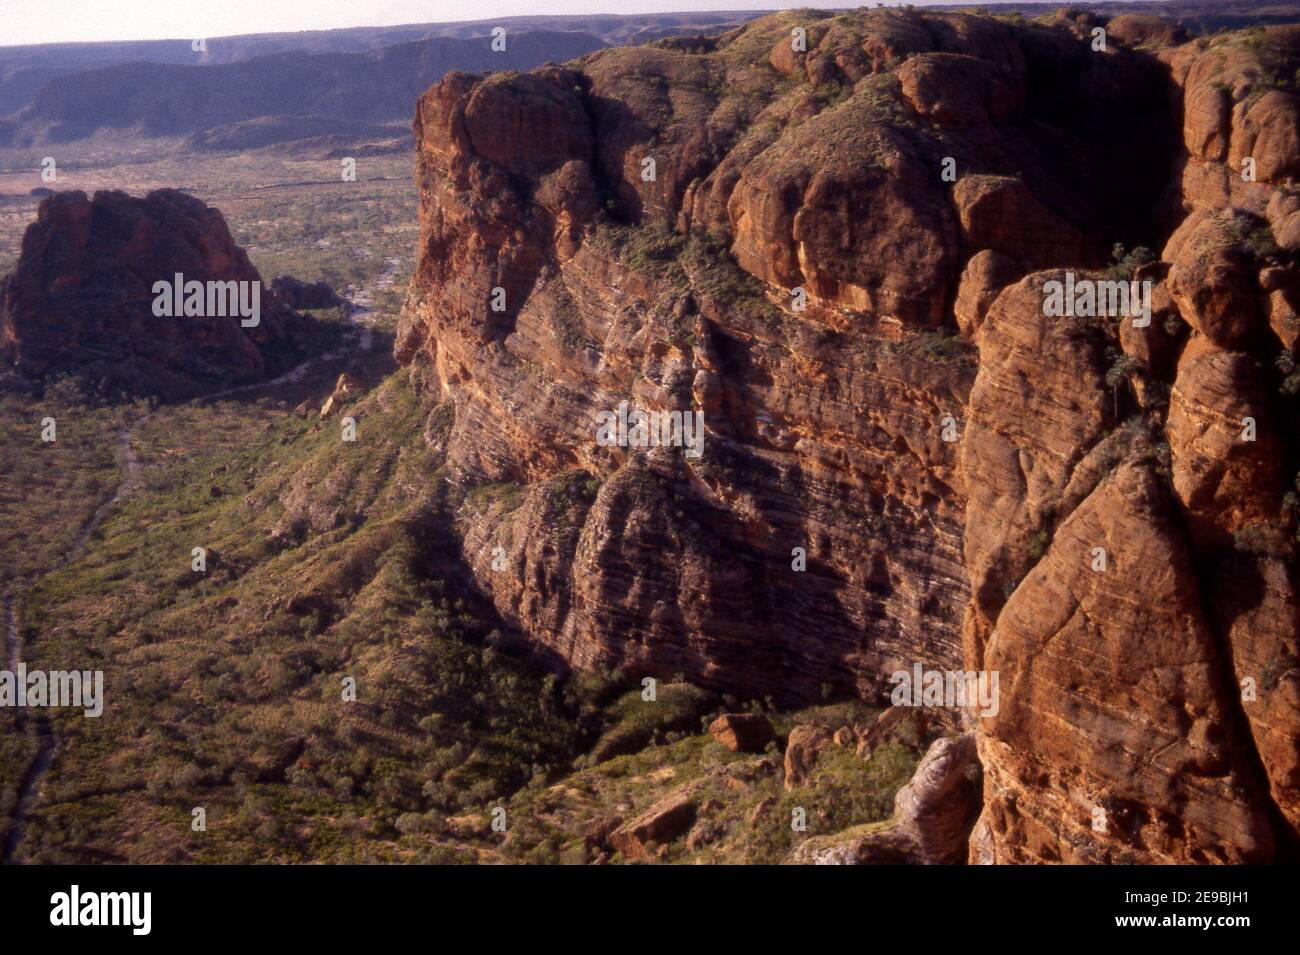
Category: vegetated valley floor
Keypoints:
(326, 560)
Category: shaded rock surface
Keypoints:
(81, 298)
(742, 732)
(298, 294)
(905, 460)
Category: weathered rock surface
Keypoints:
(1113, 717)
(938, 806)
(1237, 104)
(663, 822)
(823, 427)
(1212, 280)
(904, 459)
(801, 751)
(985, 276)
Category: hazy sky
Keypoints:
(51, 21)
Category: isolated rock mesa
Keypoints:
(905, 460)
(81, 298)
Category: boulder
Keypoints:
(1002, 213)
(742, 732)
(937, 808)
(663, 822)
(345, 389)
(801, 751)
(958, 90)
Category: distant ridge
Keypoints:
(24, 70)
(163, 99)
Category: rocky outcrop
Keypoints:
(81, 298)
(937, 807)
(1139, 747)
(1080, 535)
(346, 389)
(297, 294)
(933, 815)
(839, 254)
(571, 262)
(1238, 101)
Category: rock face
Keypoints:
(937, 807)
(81, 298)
(838, 255)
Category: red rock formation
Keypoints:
(1238, 100)
(767, 234)
(81, 297)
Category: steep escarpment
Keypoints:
(831, 235)
(82, 297)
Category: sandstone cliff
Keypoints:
(765, 232)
